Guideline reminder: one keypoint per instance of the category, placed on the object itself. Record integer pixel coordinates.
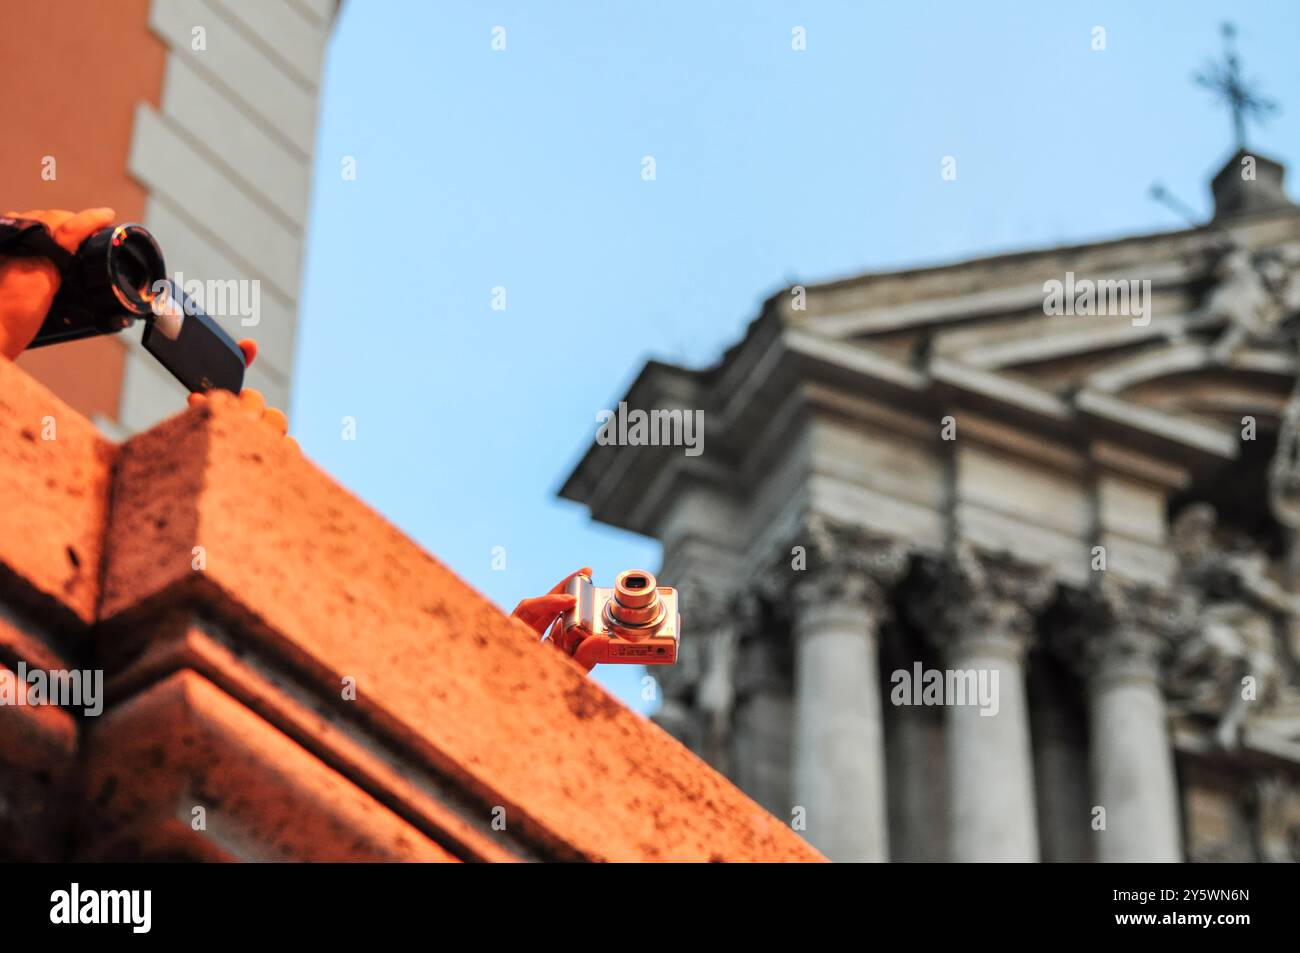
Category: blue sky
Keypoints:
(521, 169)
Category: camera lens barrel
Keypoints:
(110, 282)
(118, 269)
(636, 604)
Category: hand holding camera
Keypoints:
(251, 401)
(633, 622)
(66, 276)
(28, 284)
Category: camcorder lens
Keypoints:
(107, 284)
(119, 275)
(136, 266)
(132, 273)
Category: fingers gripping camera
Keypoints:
(117, 277)
(639, 616)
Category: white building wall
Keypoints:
(227, 162)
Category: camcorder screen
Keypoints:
(192, 346)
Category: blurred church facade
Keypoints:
(946, 470)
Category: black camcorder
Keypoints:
(117, 277)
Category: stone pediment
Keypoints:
(1159, 344)
(1196, 340)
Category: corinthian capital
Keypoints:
(829, 563)
(707, 604)
(1124, 630)
(983, 601)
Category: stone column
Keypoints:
(839, 765)
(700, 690)
(763, 736)
(983, 611)
(679, 714)
(1131, 754)
(730, 619)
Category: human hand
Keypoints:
(28, 284)
(251, 401)
(542, 612)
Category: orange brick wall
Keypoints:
(73, 72)
(465, 740)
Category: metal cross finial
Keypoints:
(1226, 81)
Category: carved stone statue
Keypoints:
(1228, 663)
(1256, 294)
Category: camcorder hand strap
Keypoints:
(28, 238)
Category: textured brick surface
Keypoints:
(179, 642)
(332, 588)
(53, 500)
(460, 718)
(38, 751)
(184, 744)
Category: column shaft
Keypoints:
(990, 762)
(839, 746)
(1133, 769)
(982, 612)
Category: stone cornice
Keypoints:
(614, 481)
(1146, 422)
(791, 363)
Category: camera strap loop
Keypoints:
(28, 238)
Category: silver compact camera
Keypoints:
(639, 616)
